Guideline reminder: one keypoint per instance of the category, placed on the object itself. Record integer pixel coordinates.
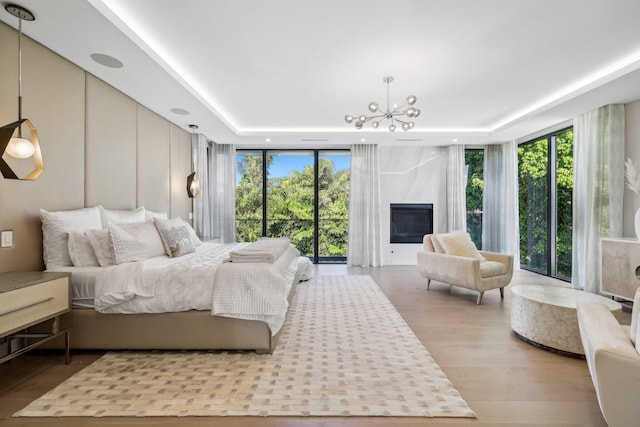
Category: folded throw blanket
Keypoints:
(119, 283)
(265, 250)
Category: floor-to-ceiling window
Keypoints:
(545, 173)
(474, 163)
(300, 194)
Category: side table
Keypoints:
(28, 299)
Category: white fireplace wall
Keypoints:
(411, 175)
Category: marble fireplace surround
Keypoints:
(411, 175)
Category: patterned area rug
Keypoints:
(344, 351)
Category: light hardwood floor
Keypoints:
(506, 381)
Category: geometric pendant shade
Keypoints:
(6, 132)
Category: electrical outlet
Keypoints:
(6, 239)
(190, 215)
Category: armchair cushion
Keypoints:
(492, 268)
(458, 244)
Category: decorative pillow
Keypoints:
(437, 247)
(427, 243)
(460, 244)
(99, 240)
(135, 242)
(110, 216)
(148, 215)
(195, 240)
(175, 236)
(55, 233)
(81, 251)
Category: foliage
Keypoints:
(533, 161)
(290, 206)
(474, 159)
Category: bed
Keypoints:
(211, 296)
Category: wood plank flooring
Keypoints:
(506, 381)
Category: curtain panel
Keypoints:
(201, 206)
(598, 186)
(364, 247)
(456, 189)
(223, 194)
(500, 220)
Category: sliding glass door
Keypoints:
(545, 168)
(300, 194)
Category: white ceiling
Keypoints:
(289, 70)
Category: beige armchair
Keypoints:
(453, 258)
(612, 353)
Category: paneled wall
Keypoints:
(99, 147)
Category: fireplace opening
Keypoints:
(410, 222)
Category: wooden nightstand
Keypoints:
(27, 299)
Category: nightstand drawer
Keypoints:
(21, 308)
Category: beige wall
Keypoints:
(98, 145)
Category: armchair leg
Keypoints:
(428, 283)
(479, 300)
(502, 293)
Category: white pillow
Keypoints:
(460, 244)
(152, 215)
(99, 240)
(110, 216)
(81, 251)
(135, 242)
(175, 236)
(194, 237)
(55, 233)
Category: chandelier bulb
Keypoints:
(405, 127)
(411, 125)
(358, 125)
(375, 125)
(348, 118)
(362, 118)
(411, 100)
(392, 128)
(373, 107)
(417, 113)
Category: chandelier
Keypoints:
(406, 110)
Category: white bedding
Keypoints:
(199, 281)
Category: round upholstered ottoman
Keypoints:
(545, 316)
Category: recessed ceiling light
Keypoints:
(106, 60)
(455, 140)
(267, 140)
(179, 111)
(363, 140)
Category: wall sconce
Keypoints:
(193, 186)
(19, 147)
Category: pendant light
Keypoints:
(193, 183)
(12, 141)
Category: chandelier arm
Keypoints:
(399, 108)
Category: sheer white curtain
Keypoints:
(456, 189)
(500, 231)
(365, 247)
(201, 206)
(598, 186)
(222, 167)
